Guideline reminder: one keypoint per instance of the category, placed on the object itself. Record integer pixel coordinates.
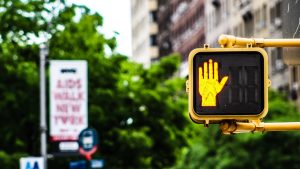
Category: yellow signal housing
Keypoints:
(228, 84)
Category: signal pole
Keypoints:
(43, 121)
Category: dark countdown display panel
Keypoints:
(243, 90)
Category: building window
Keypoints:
(272, 15)
(153, 16)
(278, 10)
(276, 60)
(216, 3)
(294, 74)
(153, 40)
(249, 23)
(278, 15)
(264, 15)
(154, 59)
(275, 16)
(294, 86)
(261, 18)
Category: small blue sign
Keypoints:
(88, 139)
(35, 165)
(77, 164)
(32, 163)
(97, 164)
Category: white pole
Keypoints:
(43, 123)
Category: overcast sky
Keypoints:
(116, 15)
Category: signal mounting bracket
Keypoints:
(249, 45)
(206, 45)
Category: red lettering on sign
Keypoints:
(69, 83)
(74, 96)
(67, 107)
(75, 108)
(73, 120)
(62, 108)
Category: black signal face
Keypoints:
(228, 83)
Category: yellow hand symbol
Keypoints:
(209, 85)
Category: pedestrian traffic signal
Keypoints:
(228, 84)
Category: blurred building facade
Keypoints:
(179, 27)
(291, 29)
(182, 25)
(186, 27)
(247, 18)
(144, 31)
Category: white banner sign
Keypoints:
(32, 163)
(68, 99)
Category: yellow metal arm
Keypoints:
(231, 127)
(228, 41)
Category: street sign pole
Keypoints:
(43, 124)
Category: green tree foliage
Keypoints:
(258, 150)
(19, 79)
(140, 114)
